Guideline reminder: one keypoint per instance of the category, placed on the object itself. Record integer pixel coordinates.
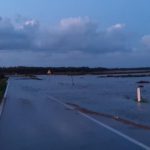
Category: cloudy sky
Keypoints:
(107, 33)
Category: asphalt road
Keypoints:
(35, 120)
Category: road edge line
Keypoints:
(4, 98)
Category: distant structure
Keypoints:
(49, 72)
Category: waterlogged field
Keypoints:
(109, 96)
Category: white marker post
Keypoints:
(139, 95)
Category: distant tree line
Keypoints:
(54, 70)
(68, 70)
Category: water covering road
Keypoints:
(35, 118)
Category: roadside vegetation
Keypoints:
(3, 84)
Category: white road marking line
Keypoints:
(58, 101)
(104, 125)
(6, 91)
(116, 132)
(3, 101)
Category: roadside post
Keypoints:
(139, 95)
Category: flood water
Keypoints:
(37, 113)
(107, 95)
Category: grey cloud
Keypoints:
(72, 34)
(84, 35)
(14, 37)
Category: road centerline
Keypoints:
(130, 139)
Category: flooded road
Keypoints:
(46, 115)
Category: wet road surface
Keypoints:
(35, 119)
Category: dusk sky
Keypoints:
(104, 33)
